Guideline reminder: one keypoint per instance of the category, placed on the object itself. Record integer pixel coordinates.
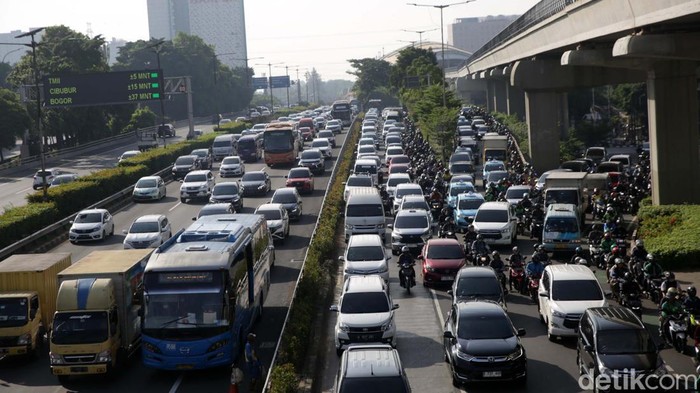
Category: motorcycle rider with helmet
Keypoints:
(479, 247)
(629, 285)
(499, 267)
(405, 260)
(669, 282)
(616, 274)
(691, 303)
(526, 202)
(577, 254)
(534, 269)
(516, 262)
(608, 243)
(540, 254)
(639, 252)
(448, 227)
(670, 305)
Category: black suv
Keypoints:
(614, 341)
(184, 165)
(205, 158)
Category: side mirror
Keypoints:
(341, 258)
(390, 226)
(450, 292)
(395, 307)
(32, 314)
(343, 183)
(286, 177)
(419, 257)
(521, 332)
(124, 231)
(334, 308)
(70, 222)
(182, 180)
(544, 294)
(607, 293)
(448, 334)
(588, 348)
(194, 218)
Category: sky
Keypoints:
(303, 34)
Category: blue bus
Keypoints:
(250, 148)
(203, 291)
(341, 110)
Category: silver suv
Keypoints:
(365, 313)
(411, 228)
(197, 184)
(365, 367)
(49, 173)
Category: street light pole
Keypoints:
(269, 84)
(12, 51)
(442, 39)
(35, 69)
(156, 46)
(420, 34)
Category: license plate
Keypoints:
(366, 337)
(184, 367)
(561, 246)
(492, 374)
(78, 369)
(448, 278)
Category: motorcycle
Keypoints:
(633, 301)
(654, 289)
(517, 278)
(534, 286)
(483, 260)
(677, 331)
(536, 228)
(407, 276)
(694, 326)
(435, 209)
(449, 234)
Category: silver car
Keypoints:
(149, 188)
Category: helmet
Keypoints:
(672, 291)
(639, 243)
(609, 209)
(628, 276)
(615, 250)
(669, 276)
(650, 257)
(595, 190)
(251, 336)
(404, 249)
(526, 195)
(691, 291)
(540, 247)
(470, 227)
(495, 254)
(479, 237)
(579, 250)
(515, 250)
(619, 261)
(607, 235)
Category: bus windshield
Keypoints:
(278, 141)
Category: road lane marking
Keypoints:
(176, 205)
(437, 307)
(23, 191)
(176, 385)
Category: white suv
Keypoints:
(149, 231)
(197, 184)
(49, 173)
(365, 313)
(365, 255)
(565, 292)
(496, 222)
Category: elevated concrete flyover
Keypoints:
(562, 45)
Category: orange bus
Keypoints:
(280, 144)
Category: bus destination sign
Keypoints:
(122, 87)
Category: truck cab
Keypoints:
(21, 324)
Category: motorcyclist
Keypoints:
(447, 227)
(534, 269)
(629, 285)
(610, 215)
(479, 246)
(470, 235)
(516, 261)
(447, 176)
(608, 243)
(540, 254)
(405, 260)
(436, 196)
(639, 252)
(670, 305)
(669, 282)
(445, 213)
(691, 303)
(526, 202)
(577, 254)
(499, 267)
(652, 269)
(537, 213)
(617, 274)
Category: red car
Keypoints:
(441, 260)
(400, 159)
(399, 168)
(306, 133)
(302, 179)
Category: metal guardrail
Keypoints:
(58, 227)
(334, 174)
(539, 12)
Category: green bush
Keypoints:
(234, 127)
(70, 197)
(672, 234)
(21, 221)
(113, 180)
(286, 379)
(158, 159)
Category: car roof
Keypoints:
(495, 205)
(614, 318)
(476, 271)
(143, 178)
(364, 283)
(269, 206)
(226, 183)
(481, 308)
(371, 360)
(216, 206)
(372, 239)
(470, 195)
(412, 212)
(400, 175)
(93, 211)
(192, 156)
(199, 172)
(414, 198)
(286, 190)
(443, 242)
(570, 272)
(409, 185)
(149, 217)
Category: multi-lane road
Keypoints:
(34, 375)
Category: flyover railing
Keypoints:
(539, 12)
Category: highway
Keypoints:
(34, 375)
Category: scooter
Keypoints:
(695, 328)
(654, 289)
(633, 301)
(483, 260)
(407, 276)
(517, 278)
(677, 331)
(534, 286)
(447, 234)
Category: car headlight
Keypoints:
(380, 226)
(55, 358)
(260, 187)
(295, 209)
(558, 314)
(236, 198)
(96, 229)
(516, 354)
(217, 345)
(203, 187)
(387, 325)
(343, 327)
(429, 268)
(151, 348)
(104, 356)
(349, 226)
(24, 339)
(462, 355)
(396, 237)
(383, 269)
(505, 230)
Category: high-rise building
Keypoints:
(470, 34)
(13, 53)
(112, 50)
(220, 23)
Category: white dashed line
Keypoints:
(23, 191)
(437, 307)
(176, 205)
(176, 385)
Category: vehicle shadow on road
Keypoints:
(292, 242)
(557, 380)
(283, 274)
(418, 351)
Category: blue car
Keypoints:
(456, 189)
(492, 165)
(467, 205)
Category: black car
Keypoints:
(184, 165)
(228, 192)
(314, 160)
(256, 183)
(291, 200)
(615, 339)
(474, 283)
(481, 344)
(205, 158)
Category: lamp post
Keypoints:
(156, 46)
(420, 34)
(442, 38)
(413, 43)
(35, 70)
(269, 84)
(12, 51)
(286, 70)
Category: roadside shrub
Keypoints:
(112, 180)
(234, 127)
(70, 197)
(21, 221)
(672, 234)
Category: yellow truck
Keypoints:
(28, 300)
(495, 147)
(97, 324)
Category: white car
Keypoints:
(148, 231)
(403, 190)
(128, 154)
(365, 255)
(277, 219)
(355, 181)
(91, 224)
(366, 150)
(323, 145)
(394, 180)
(149, 188)
(392, 152)
(496, 222)
(197, 184)
(232, 166)
(49, 174)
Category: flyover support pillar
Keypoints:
(672, 99)
(542, 109)
(490, 95)
(500, 95)
(515, 101)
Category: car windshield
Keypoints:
(393, 140)
(146, 183)
(366, 141)
(88, 218)
(575, 290)
(200, 152)
(128, 155)
(366, 149)
(562, 196)
(325, 134)
(364, 303)
(144, 227)
(365, 253)
(251, 176)
(271, 214)
(494, 167)
(195, 178)
(561, 225)
(184, 161)
(364, 211)
(398, 169)
(469, 204)
(43, 174)
(419, 205)
(624, 341)
(461, 157)
(457, 189)
(491, 216)
(484, 327)
(411, 222)
(401, 192)
(360, 181)
(395, 181)
(393, 151)
(478, 286)
(595, 153)
(231, 160)
(445, 251)
(515, 193)
(495, 176)
(80, 327)
(284, 197)
(225, 189)
(323, 143)
(13, 312)
(311, 155)
(62, 179)
(298, 174)
(212, 210)
(462, 168)
(400, 160)
(371, 169)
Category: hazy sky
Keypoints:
(306, 33)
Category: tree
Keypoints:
(439, 127)
(414, 62)
(15, 120)
(372, 75)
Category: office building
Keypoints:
(470, 34)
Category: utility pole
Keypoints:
(298, 88)
(420, 34)
(156, 46)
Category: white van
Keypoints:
(364, 213)
(369, 167)
(223, 146)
